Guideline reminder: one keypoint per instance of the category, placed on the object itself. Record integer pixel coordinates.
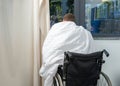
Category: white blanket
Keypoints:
(63, 36)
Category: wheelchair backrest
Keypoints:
(82, 69)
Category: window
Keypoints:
(58, 8)
(100, 17)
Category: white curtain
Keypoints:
(41, 26)
(21, 32)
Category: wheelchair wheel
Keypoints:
(104, 80)
(58, 80)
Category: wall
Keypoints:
(111, 67)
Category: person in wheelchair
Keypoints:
(63, 36)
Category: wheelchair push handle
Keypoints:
(106, 53)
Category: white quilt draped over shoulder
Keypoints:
(63, 36)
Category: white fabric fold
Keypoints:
(63, 36)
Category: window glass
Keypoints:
(103, 16)
(100, 17)
(58, 8)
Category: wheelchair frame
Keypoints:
(60, 80)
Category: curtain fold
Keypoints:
(36, 43)
(41, 26)
(44, 21)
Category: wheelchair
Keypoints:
(82, 70)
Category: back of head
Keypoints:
(69, 17)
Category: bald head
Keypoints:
(69, 17)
